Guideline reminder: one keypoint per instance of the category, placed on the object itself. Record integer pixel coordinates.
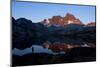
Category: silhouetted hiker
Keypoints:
(32, 50)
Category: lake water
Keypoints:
(40, 48)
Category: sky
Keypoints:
(37, 12)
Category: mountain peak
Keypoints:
(59, 20)
(69, 16)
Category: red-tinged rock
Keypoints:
(91, 24)
(58, 20)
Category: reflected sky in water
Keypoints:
(50, 48)
(37, 49)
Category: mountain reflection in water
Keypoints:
(55, 46)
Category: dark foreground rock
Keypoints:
(25, 33)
